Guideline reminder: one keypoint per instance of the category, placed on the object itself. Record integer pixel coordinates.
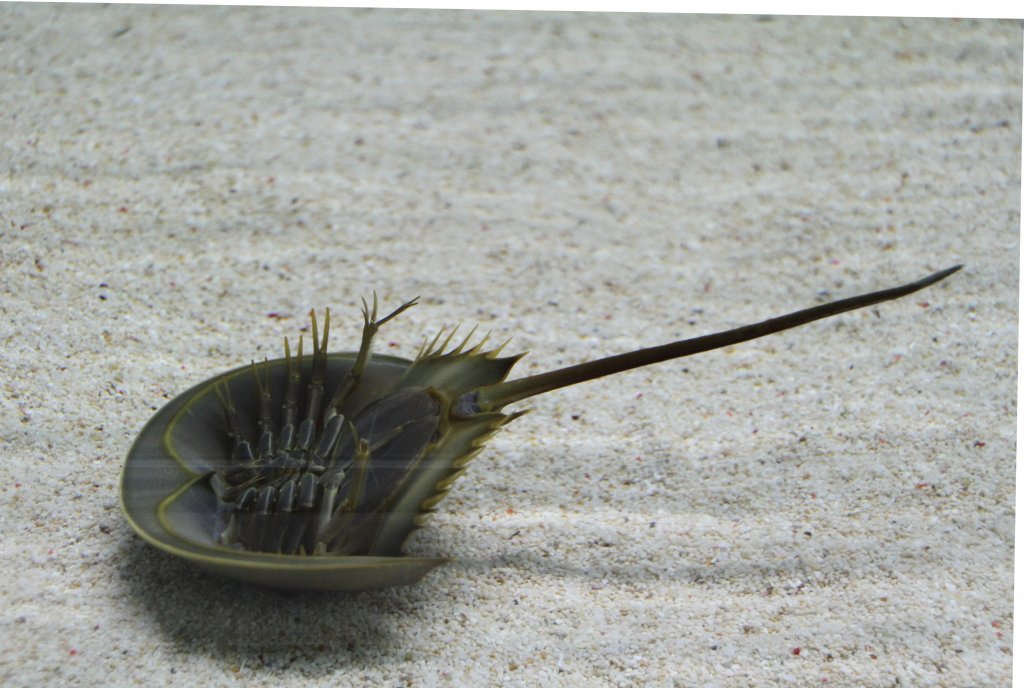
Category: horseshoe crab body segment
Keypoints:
(310, 473)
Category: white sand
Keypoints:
(832, 505)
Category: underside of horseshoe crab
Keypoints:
(310, 471)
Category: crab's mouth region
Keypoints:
(324, 486)
(199, 438)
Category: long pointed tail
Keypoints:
(493, 397)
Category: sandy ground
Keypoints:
(829, 506)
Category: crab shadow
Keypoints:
(199, 613)
(236, 623)
(323, 635)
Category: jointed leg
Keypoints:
(350, 383)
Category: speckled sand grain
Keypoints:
(832, 506)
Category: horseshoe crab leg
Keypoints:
(350, 383)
